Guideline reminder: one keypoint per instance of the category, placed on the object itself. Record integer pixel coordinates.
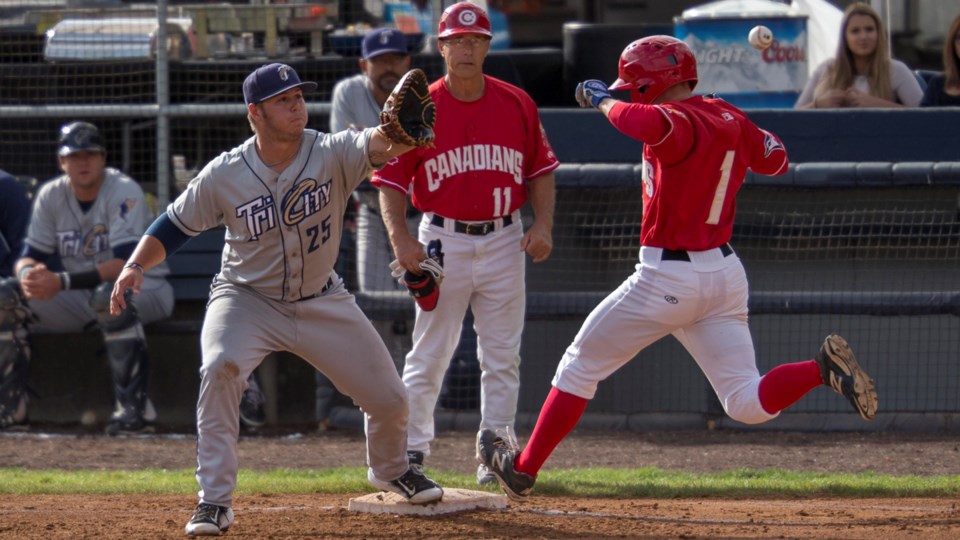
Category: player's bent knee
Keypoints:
(221, 367)
(748, 413)
(389, 405)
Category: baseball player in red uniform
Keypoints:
(689, 283)
(491, 156)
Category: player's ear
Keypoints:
(362, 63)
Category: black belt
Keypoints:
(680, 255)
(325, 288)
(473, 229)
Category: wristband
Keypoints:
(135, 266)
(64, 281)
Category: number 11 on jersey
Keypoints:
(501, 201)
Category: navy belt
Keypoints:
(482, 228)
(680, 255)
(325, 288)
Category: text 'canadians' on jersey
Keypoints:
(474, 157)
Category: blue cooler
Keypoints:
(728, 66)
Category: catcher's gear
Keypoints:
(79, 137)
(409, 114)
(650, 65)
(129, 363)
(464, 18)
(591, 92)
(425, 287)
(14, 356)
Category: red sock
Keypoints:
(784, 385)
(560, 413)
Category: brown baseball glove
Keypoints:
(409, 114)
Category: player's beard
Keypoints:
(388, 81)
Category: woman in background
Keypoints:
(862, 74)
(943, 89)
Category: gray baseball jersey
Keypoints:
(85, 239)
(283, 231)
(274, 293)
(353, 103)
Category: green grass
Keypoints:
(609, 483)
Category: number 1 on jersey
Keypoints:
(501, 201)
(718, 196)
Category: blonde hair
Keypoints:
(951, 63)
(840, 74)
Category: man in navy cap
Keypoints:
(358, 100)
(356, 104)
(281, 196)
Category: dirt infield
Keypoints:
(325, 516)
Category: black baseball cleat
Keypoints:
(413, 485)
(209, 520)
(415, 457)
(497, 454)
(840, 371)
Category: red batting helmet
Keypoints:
(650, 65)
(464, 18)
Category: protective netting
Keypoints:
(878, 265)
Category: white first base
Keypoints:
(454, 500)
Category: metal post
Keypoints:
(163, 102)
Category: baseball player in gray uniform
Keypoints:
(281, 195)
(91, 218)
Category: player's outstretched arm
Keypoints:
(594, 93)
(381, 149)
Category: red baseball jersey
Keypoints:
(486, 152)
(695, 156)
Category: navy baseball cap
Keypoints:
(79, 137)
(270, 80)
(382, 41)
